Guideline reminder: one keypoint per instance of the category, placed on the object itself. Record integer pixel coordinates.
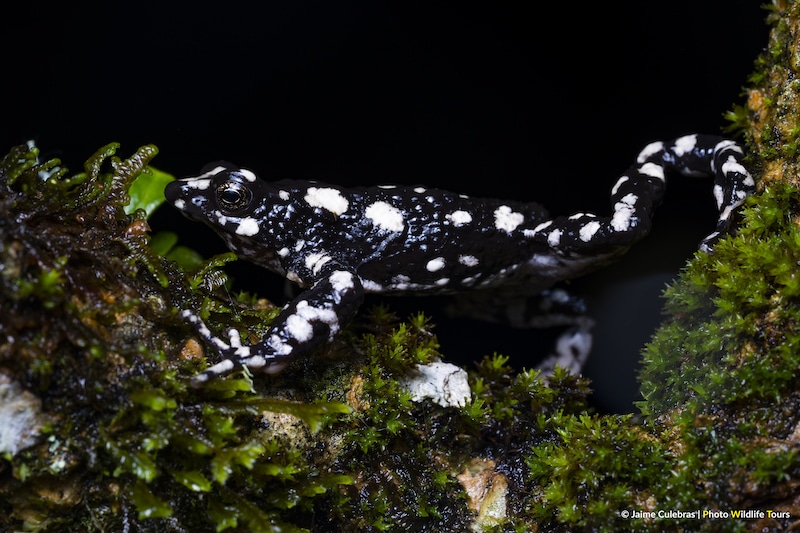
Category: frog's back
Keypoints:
(429, 240)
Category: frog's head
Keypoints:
(233, 202)
(223, 196)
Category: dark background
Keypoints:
(542, 103)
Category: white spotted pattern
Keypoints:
(653, 170)
(200, 184)
(468, 260)
(649, 150)
(554, 237)
(314, 262)
(385, 216)
(341, 280)
(619, 184)
(435, 264)
(327, 198)
(623, 212)
(731, 165)
(459, 218)
(247, 227)
(685, 144)
(248, 175)
(587, 232)
(507, 220)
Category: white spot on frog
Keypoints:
(341, 280)
(649, 150)
(459, 218)
(507, 220)
(623, 212)
(247, 227)
(539, 228)
(652, 170)
(213, 172)
(435, 264)
(385, 216)
(719, 195)
(327, 198)
(299, 328)
(468, 260)
(727, 144)
(554, 237)
(284, 195)
(587, 232)
(314, 262)
(248, 175)
(618, 184)
(685, 144)
(200, 184)
(731, 165)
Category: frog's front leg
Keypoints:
(312, 318)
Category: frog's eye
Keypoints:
(233, 195)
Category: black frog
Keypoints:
(339, 243)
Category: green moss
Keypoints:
(132, 444)
(736, 309)
(588, 490)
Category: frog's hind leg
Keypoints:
(552, 308)
(587, 237)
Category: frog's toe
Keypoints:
(223, 367)
(571, 351)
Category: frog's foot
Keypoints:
(571, 350)
(233, 354)
(308, 321)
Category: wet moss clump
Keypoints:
(89, 328)
(425, 467)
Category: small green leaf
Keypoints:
(148, 504)
(166, 243)
(147, 191)
(153, 399)
(163, 241)
(194, 481)
(224, 516)
(313, 414)
(138, 463)
(222, 464)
